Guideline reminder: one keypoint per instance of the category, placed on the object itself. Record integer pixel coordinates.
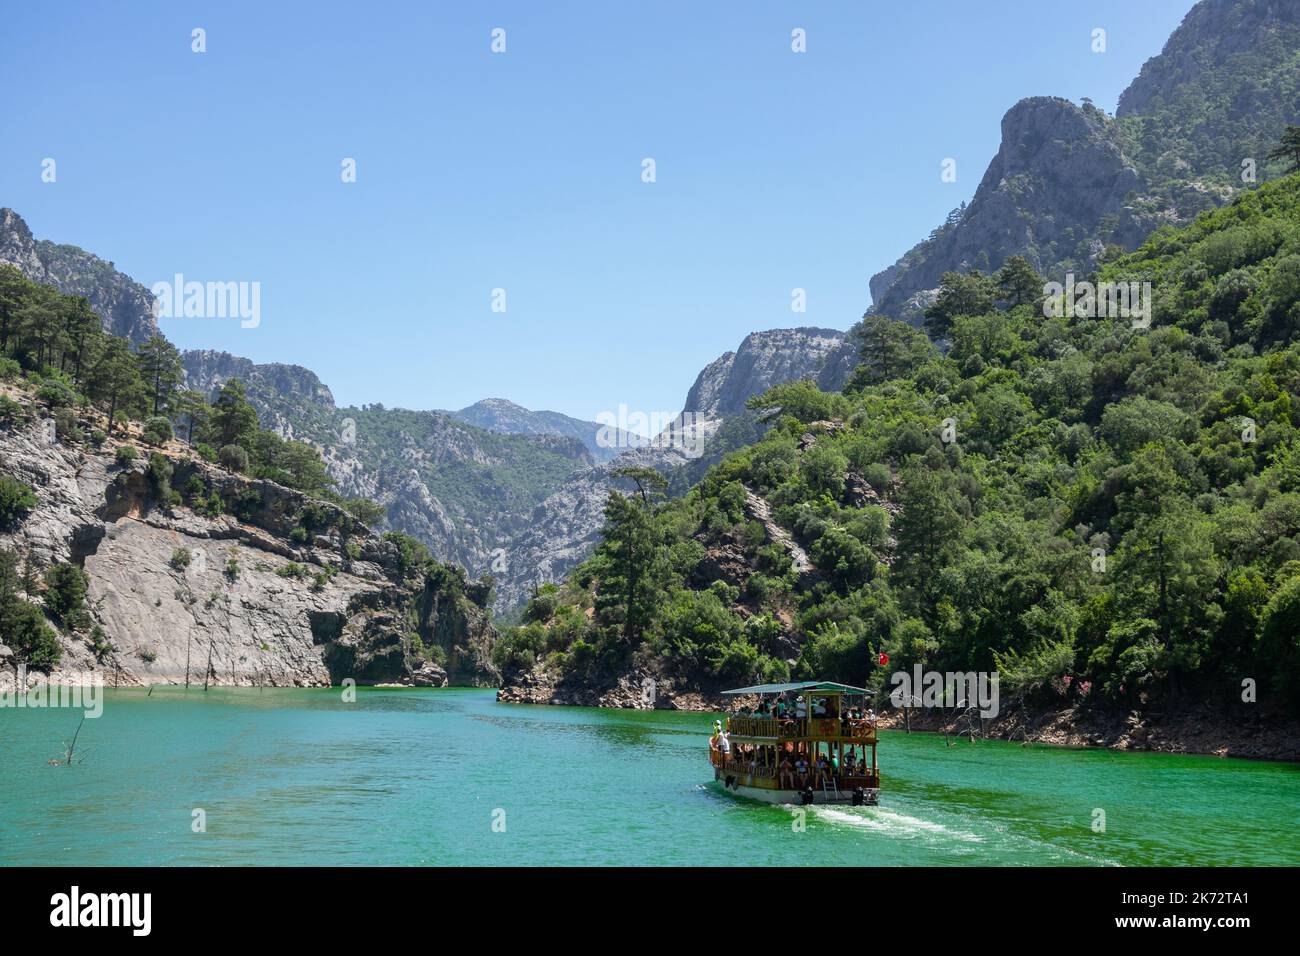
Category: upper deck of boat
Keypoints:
(769, 729)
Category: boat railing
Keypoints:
(790, 727)
(756, 726)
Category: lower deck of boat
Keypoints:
(742, 785)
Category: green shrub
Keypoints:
(65, 594)
(160, 476)
(67, 427)
(157, 430)
(11, 412)
(322, 578)
(16, 499)
(879, 477)
(233, 458)
(100, 645)
(56, 393)
(33, 642)
(294, 571)
(126, 454)
(180, 559)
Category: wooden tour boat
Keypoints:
(822, 720)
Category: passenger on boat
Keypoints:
(724, 746)
(800, 708)
(801, 770)
(819, 706)
(822, 771)
(786, 772)
(850, 764)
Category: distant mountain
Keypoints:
(501, 415)
(459, 488)
(124, 305)
(565, 528)
(1069, 180)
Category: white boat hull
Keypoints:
(766, 795)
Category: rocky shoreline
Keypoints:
(1202, 729)
(195, 594)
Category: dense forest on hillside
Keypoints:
(1086, 506)
(54, 345)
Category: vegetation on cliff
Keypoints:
(1086, 506)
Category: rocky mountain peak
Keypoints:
(1212, 32)
(124, 305)
(207, 370)
(1069, 180)
(763, 359)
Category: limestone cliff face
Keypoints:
(242, 598)
(442, 477)
(1057, 175)
(125, 306)
(763, 359)
(1068, 180)
(207, 370)
(1211, 34)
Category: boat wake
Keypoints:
(892, 822)
(902, 825)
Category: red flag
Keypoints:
(884, 659)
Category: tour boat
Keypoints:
(823, 721)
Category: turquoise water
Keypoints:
(419, 776)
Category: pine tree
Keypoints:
(1289, 149)
(889, 349)
(633, 551)
(1018, 282)
(160, 366)
(233, 420)
(115, 379)
(193, 408)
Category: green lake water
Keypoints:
(418, 777)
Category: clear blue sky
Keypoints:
(523, 170)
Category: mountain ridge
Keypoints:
(1068, 181)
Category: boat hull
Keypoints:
(734, 784)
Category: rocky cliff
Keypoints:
(763, 359)
(1212, 34)
(1069, 180)
(460, 488)
(503, 490)
(565, 528)
(125, 306)
(268, 588)
(207, 370)
(1057, 175)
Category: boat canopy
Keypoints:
(828, 687)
